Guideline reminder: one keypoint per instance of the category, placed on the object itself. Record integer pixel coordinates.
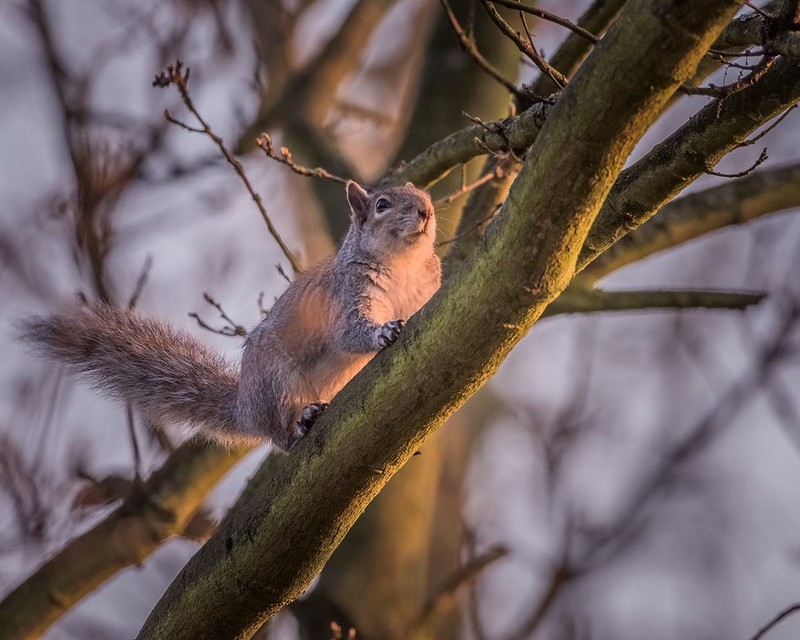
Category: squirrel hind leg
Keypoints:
(308, 416)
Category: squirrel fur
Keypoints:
(326, 326)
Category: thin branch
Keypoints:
(597, 18)
(550, 17)
(702, 212)
(141, 281)
(762, 158)
(760, 135)
(499, 137)
(284, 156)
(444, 599)
(527, 48)
(594, 301)
(466, 188)
(471, 229)
(776, 620)
(774, 34)
(758, 10)
(470, 48)
(231, 328)
(556, 77)
(644, 187)
(174, 75)
(483, 202)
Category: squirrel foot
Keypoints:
(390, 332)
(308, 416)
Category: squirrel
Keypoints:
(330, 321)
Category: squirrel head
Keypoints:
(393, 219)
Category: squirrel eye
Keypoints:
(382, 204)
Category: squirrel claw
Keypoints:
(389, 332)
(308, 416)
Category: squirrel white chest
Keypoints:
(403, 289)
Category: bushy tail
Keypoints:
(164, 373)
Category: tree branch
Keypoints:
(550, 17)
(722, 126)
(525, 46)
(175, 75)
(309, 93)
(445, 598)
(484, 202)
(777, 620)
(697, 214)
(469, 47)
(294, 521)
(776, 36)
(595, 300)
(499, 136)
(162, 507)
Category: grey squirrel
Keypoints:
(319, 333)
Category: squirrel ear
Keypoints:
(410, 185)
(358, 199)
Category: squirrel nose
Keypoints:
(423, 213)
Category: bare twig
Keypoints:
(598, 301)
(137, 456)
(557, 78)
(140, 281)
(146, 518)
(550, 17)
(723, 92)
(763, 156)
(468, 45)
(777, 121)
(284, 156)
(174, 75)
(282, 273)
(499, 129)
(730, 64)
(231, 328)
(748, 53)
(776, 620)
(466, 188)
(527, 48)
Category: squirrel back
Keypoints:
(320, 332)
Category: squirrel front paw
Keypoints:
(389, 332)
